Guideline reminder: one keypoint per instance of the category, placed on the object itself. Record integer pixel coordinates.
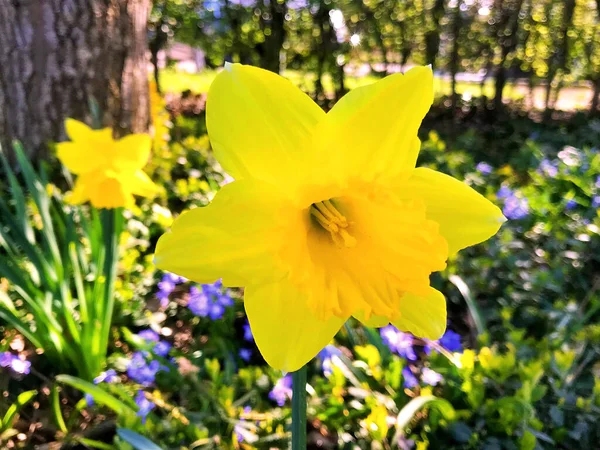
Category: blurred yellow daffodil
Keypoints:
(327, 217)
(109, 171)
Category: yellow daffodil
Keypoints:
(327, 217)
(109, 171)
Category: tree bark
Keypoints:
(56, 55)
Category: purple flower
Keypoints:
(89, 399)
(162, 348)
(6, 359)
(163, 297)
(597, 184)
(142, 372)
(484, 168)
(216, 311)
(175, 279)
(149, 336)
(410, 381)
(504, 192)
(398, 342)
(571, 204)
(451, 341)
(198, 303)
(144, 405)
(326, 355)
(248, 333)
(225, 300)
(166, 285)
(548, 168)
(596, 201)
(109, 376)
(430, 377)
(515, 208)
(21, 366)
(282, 390)
(18, 365)
(245, 354)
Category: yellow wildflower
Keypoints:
(327, 217)
(109, 171)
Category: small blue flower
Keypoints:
(504, 192)
(430, 377)
(548, 168)
(325, 356)
(89, 399)
(198, 303)
(245, 354)
(570, 205)
(515, 208)
(410, 381)
(144, 405)
(142, 372)
(163, 297)
(597, 184)
(484, 168)
(282, 391)
(162, 348)
(398, 342)
(248, 333)
(596, 201)
(18, 365)
(216, 311)
(109, 376)
(175, 279)
(451, 341)
(6, 359)
(149, 336)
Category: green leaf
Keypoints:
(14, 409)
(138, 441)
(100, 396)
(473, 308)
(55, 403)
(416, 404)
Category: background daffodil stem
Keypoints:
(299, 409)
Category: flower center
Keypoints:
(331, 220)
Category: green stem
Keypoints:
(299, 409)
(112, 224)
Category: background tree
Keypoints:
(57, 54)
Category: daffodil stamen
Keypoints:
(333, 221)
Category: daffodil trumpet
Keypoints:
(327, 217)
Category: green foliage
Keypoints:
(60, 270)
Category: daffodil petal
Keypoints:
(108, 194)
(259, 124)
(372, 130)
(465, 217)
(424, 316)
(237, 237)
(140, 184)
(285, 330)
(373, 321)
(77, 131)
(133, 151)
(80, 193)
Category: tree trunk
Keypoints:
(432, 37)
(56, 55)
(274, 42)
